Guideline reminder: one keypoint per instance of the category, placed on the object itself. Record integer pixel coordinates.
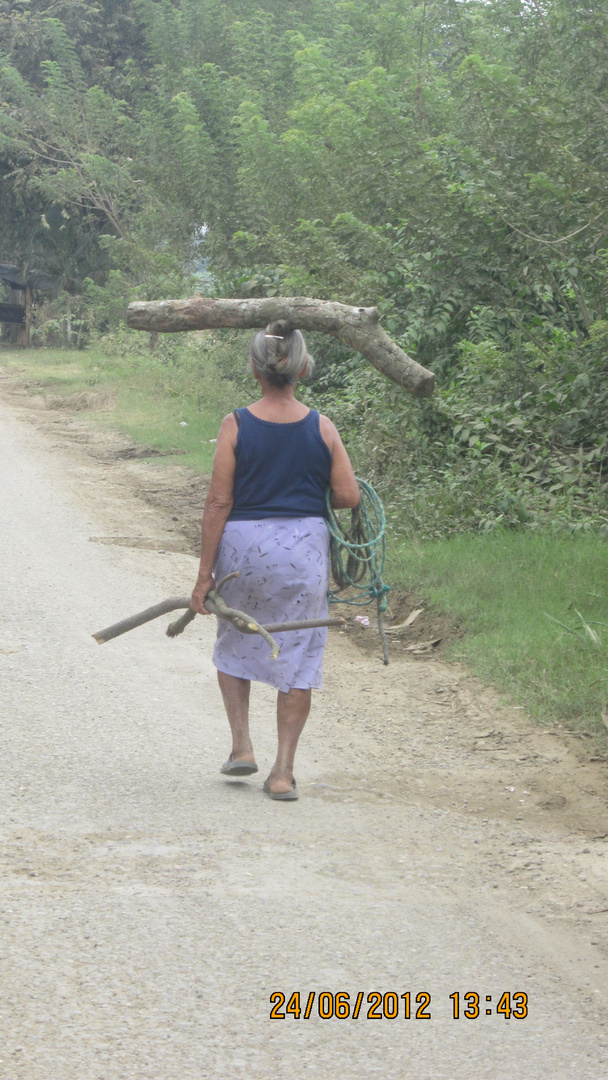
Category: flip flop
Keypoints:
(283, 796)
(238, 768)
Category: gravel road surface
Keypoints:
(149, 907)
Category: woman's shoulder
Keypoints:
(329, 432)
(228, 430)
(327, 425)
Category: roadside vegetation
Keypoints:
(160, 403)
(445, 162)
(534, 609)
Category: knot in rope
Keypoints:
(380, 591)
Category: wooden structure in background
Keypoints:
(17, 310)
(12, 313)
(19, 315)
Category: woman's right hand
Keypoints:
(202, 587)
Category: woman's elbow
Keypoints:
(346, 498)
(218, 505)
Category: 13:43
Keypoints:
(511, 1005)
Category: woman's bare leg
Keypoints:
(235, 693)
(292, 713)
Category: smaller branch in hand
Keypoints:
(240, 619)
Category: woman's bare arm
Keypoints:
(218, 505)
(343, 484)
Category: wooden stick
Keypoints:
(180, 624)
(123, 627)
(303, 624)
(245, 623)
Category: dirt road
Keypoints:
(149, 908)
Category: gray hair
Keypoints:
(279, 354)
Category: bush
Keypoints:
(515, 439)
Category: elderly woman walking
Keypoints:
(264, 516)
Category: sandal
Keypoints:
(283, 796)
(238, 768)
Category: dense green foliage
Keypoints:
(446, 161)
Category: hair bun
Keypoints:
(279, 354)
(279, 329)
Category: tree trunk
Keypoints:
(359, 327)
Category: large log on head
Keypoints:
(359, 327)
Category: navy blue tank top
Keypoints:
(282, 470)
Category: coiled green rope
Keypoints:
(358, 555)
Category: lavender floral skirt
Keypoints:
(284, 572)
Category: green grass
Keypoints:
(148, 397)
(503, 587)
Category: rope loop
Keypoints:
(358, 554)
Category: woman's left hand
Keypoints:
(202, 587)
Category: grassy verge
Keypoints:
(535, 606)
(161, 403)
